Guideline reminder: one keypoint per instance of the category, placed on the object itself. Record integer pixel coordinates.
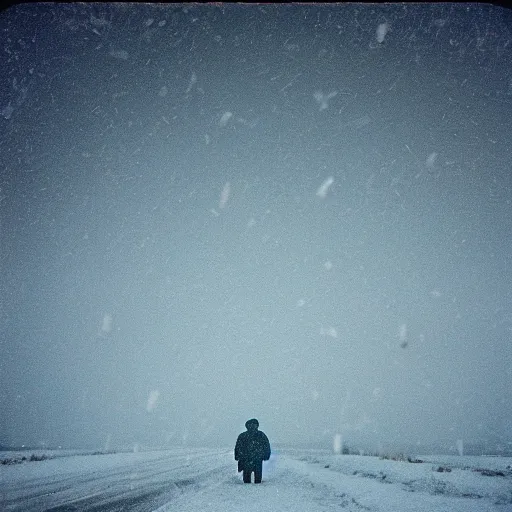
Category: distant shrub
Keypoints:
(380, 476)
(8, 462)
(399, 457)
(37, 458)
(489, 472)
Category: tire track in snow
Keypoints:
(139, 485)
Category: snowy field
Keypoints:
(293, 480)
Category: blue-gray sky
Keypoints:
(299, 213)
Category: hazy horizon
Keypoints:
(298, 213)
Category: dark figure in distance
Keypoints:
(252, 448)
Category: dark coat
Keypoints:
(251, 449)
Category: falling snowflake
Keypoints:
(431, 160)
(324, 187)
(382, 30)
(402, 335)
(152, 400)
(337, 443)
(106, 325)
(224, 195)
(192, 81)
(323, 99)
(225, 118)
(7, 111)
(119, 54)
(329, 331)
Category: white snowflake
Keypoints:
(329, 331)
(225, 118)
(431, 160)
(324, 187)
(224, 195)
(106, 325)
(152, 400)
(382, 30)
(323, 99)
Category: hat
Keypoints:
(253, 420)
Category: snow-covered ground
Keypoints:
(293, 480)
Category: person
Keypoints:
(251, 449)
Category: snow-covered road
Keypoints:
(204, 479)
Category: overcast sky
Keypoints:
(296, 213)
